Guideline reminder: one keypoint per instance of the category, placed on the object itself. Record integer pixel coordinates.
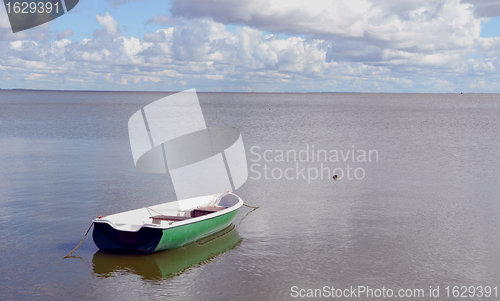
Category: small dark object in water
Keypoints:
(335, 177)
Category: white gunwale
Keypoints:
(134, 220)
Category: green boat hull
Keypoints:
(168, 263)
(149, 240)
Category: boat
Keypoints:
(166, 226)
(205, 165)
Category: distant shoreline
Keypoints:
(234, 92)
(45, 90)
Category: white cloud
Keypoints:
(422, 24)
(488, 44)
(408, 39)
(67, 33)
(368, 47)
(485, 8)
(159, 36)
(391, 54)
(34, 76)
(107, 22)
(133, 46)
(159, 19)
(92, 57)
(17, 45)
(115, 3)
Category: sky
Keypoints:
(421, 46)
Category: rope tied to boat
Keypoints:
(82, 239)
(151, 209)
(254, 207)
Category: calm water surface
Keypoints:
(421, 212)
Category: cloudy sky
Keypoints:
(259, 45)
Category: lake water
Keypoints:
(416, 207)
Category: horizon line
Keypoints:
(245, 92)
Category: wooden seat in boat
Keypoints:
(170, 218)
(205, 210)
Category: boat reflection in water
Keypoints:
(167, 263)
